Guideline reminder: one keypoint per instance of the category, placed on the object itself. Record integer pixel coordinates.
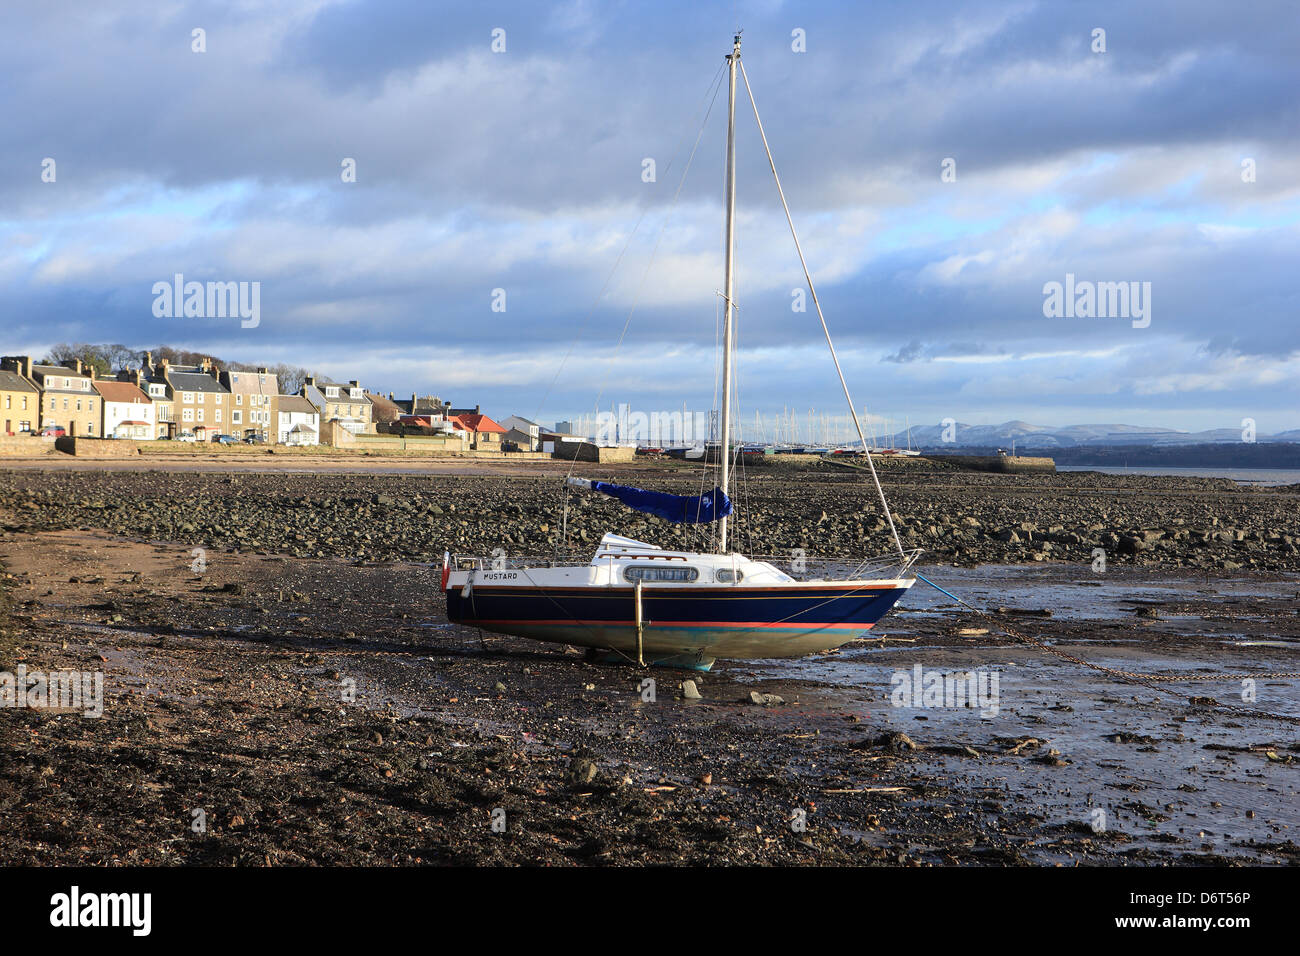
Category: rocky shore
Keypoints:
(955, 517)
(299, 684)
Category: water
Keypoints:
(1245, 476)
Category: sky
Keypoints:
(502, 243)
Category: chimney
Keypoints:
(22, 364)
(148, 361)
(263, 371)
(354, 383)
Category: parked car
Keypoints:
(187, 436)
(227, 440)
(53, 431)
(253, 440)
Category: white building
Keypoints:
(128, 412)
(298, 421)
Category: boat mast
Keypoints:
(733, 60)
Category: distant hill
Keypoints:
(1024, 434)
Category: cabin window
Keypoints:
(642, 572)
(728, 576)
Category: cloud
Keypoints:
(523, 171)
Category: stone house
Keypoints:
(253, 396)
(163, 406)
(19, 403)
(67, 397)
(345, 404)
(202, 402)
(525, 434)
(483, 433)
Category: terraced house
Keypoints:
(164, 408)
(128, 412)
(19, 399)
(202, 402)
(299, 422)
(67, 396)
(345, 404)
(253, 410)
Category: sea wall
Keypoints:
(1001, 464)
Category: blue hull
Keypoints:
(713, 622)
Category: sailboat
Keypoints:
(651, 604)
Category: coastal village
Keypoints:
(203, 403)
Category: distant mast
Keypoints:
(733, 60)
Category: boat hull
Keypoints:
(733, 622)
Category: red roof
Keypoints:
(474, 422)
(121, 392)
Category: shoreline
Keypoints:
(224, 686)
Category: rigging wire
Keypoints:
(808, 276)
(636, 299)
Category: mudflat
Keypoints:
(277, 666)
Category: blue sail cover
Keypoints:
(680, 509)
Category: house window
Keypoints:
(218, 418)
(78, 404)
(198, 417)
(65, 404)
(187, 397)
(239, 399)
(236, 418)
(217, 399)
(90, 428)
(643, 572)
(187, 415)
(24, 403)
